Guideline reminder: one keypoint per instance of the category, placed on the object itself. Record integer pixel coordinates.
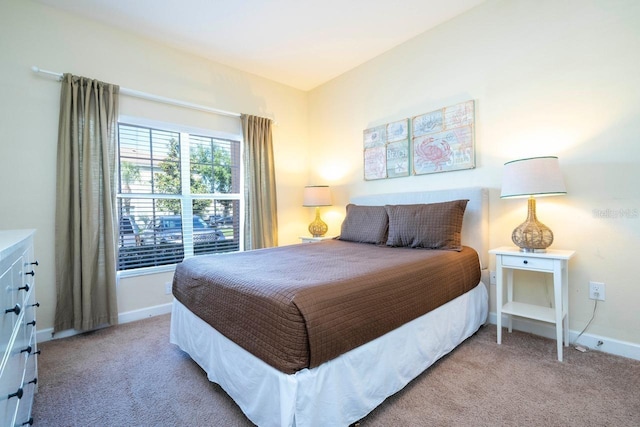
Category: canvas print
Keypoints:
(387, 150)
(398, 159)
(398, 131)
(443, 140)
(375, 163)
(427, 123)
(375, 137)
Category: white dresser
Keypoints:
(18, 347)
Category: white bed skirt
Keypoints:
(340, 391)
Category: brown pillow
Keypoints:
(433, 226)
(365, 224)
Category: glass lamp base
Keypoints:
(532, 235)
(318, 228)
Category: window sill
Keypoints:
(145, 271)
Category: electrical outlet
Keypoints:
(167, 288)
(596, 291)
(492, 277)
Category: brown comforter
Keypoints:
(298, 306)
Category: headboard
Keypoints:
(475, 226)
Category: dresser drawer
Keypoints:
(29, 310)
(11, 384)
(11, 374)
(8, 296)
(9, 299)
(29, 387)
(8, 409)
(18, 280)
(23, 291)
(26, 276)
(8, 324)
(527, 262)
(8, 320)
(31, 368)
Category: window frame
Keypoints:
(185, 196)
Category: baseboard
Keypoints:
(143, 313)
(590, 341)
(126, 317)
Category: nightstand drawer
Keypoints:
(526, 262)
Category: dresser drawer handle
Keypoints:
(33, 381)
(35, 263)
(27, 350)
(15, 310)
(31, 273)
(37, 304)
(17, 394)
(28, 422)
(525, 262)
(24, 288)
(32, 323)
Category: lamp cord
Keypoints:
(593, 315)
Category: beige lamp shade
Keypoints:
(316, 196)
(532, 177)
(536, 176)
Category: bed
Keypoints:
(316, 349)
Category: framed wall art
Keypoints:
(386, 150)
(375, 153)
(443, 140)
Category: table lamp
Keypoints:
(316, 196)
(532, 177)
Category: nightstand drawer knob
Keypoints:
(525, 262)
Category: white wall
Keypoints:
(34, 34)
(549, 78)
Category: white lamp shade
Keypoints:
(316, 195)
(536, 176)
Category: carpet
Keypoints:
(130, 375)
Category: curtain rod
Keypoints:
(151, 97)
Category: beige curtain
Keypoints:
(261, 222)
(85, 232)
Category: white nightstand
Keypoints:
(554, 262)
(310, 239)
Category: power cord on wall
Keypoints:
(593, 315)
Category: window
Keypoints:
(178, 195)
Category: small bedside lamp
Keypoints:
(316, 196)
(537, 176)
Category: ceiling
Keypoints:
(300, 43)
